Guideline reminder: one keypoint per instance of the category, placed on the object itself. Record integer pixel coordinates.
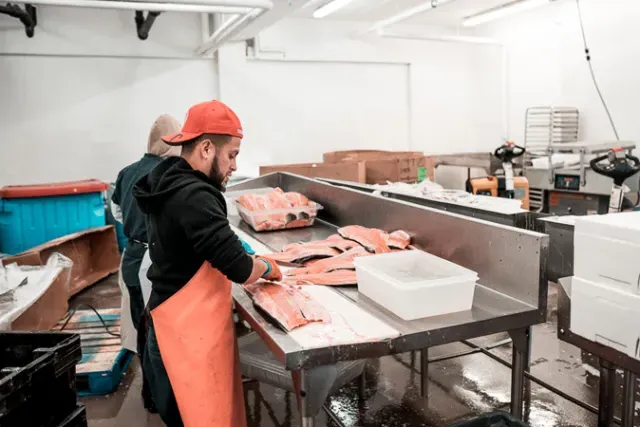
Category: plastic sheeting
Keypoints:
(22, 286)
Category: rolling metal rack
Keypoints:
(545, 126)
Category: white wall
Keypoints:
(316, 88)
(547, 64)
(80, 96)
(77, 100)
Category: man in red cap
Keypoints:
(191, 357)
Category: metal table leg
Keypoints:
(362, 385)
(521, 346)
(424, 372)
(607, 393)
(629, 402)
(306, 419)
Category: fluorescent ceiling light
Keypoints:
(329, 8)
(406, 14)
(502, 11)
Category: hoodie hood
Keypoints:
(169, 177)
(164, 125)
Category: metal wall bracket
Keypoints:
(143, 25)
(27, 16)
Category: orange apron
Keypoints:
(197, 341)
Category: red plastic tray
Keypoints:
(53, 189)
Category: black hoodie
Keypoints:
(187, 225)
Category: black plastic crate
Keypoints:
(37, 377)
(494, 419)
(77, 419)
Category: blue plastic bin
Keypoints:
(32, 215)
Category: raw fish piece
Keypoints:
(289, 306)
(335, 278)
(372, 239)
(334, 241)
(339, 262)
(399, 240)
(303, 252)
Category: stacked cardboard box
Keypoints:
(364, 166)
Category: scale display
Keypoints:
(567, 182)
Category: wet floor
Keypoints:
(459, 388)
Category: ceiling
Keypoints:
(449, 14)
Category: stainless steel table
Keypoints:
(511, 295)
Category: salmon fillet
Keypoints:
(334, 241)
(339, 262)
(289, 306)
(334, 278)
(373, 240)
(303, 252)
(296, 199)
(399, 240)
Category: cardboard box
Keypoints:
(94, 253)
(50, 307)
(354, 172)
(361, 155)
(383, 166)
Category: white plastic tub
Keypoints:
(415, 284)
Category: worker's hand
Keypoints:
(248, 249)
(273, 271)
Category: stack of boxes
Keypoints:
(605, 292)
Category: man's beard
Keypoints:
(216, 176)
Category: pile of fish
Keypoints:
(330, 262)
(277, 210)
(326, 262)
(289, 305)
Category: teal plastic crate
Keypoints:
(30, 216)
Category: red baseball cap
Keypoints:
(211, 117)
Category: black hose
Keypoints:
(73, 311)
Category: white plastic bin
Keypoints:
(607, 250)
(415, 284)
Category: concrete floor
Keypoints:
(459, 388)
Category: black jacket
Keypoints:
(187, 226)
(133, 221)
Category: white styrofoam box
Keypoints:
(623, 226)
(606, 315)
(415, 284)
(607, 261)
(607, 249)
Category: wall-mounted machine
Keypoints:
(570, 185)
